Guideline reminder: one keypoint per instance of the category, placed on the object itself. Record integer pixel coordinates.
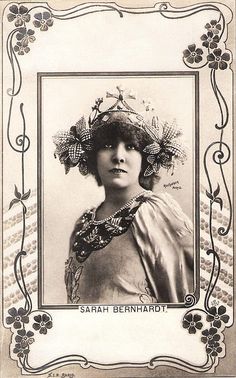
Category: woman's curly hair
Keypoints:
(129, 134)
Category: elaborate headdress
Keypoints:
(73, 146)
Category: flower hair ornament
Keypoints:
(72, 146)
(165, 151)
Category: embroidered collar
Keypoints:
(91, 234)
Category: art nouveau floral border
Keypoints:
(207, 323)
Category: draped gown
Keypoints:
(143, 253)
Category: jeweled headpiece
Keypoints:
(73, 146)
(121, 111)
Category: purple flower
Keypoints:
(20, 350)
(213, 27)
(24, 338)
(43, 323)
(217, 316)
(21, 49)
(210, 336)
(193, 55)
(43, 20)
(17, 317)
(210, 40)
(25, 36)
(213, 349)
(192, 322)
(217, 59)
(18, 13)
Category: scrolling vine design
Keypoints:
(19, 43)
(215, 59)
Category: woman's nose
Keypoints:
(119, 154)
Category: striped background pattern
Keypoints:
(12, 234)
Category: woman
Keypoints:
(136, 247)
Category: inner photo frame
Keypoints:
(72, 191)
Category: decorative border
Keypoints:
(191, 298)
(213, 318)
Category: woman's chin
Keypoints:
(118, 184)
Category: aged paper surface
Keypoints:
(57, 58)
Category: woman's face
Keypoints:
(119, 165)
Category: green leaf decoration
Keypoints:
(26, 195)
(209, 195)
(217, 191)
(13, 202)
(17, 193)
(219, 200)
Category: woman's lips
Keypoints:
(117, 170)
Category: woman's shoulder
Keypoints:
(163, 208)
(82, 222)
(86, 216)
(160, 197)
(161, 200)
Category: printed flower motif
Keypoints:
(193, 55)
(24, 338)
(43, 21)
(91, 237)
(75, 285)
(43, 323)
(210, 40)
(25, 36)
(21, 49)
(210, 336)
(192, 322)
(114, 225)
(217, 316)
(165, 148)
(17, 317)
(18, 13)
(213, 27)
(72, 277)
(71, 146)
(20, 350)
(217, 59)
(213, 349)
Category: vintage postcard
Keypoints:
(117, 182)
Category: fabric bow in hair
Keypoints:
(72, 146)
(165, 151)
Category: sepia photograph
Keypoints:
(117, 182)
(120, 208)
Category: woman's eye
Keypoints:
(131, 147)
(108, 145)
